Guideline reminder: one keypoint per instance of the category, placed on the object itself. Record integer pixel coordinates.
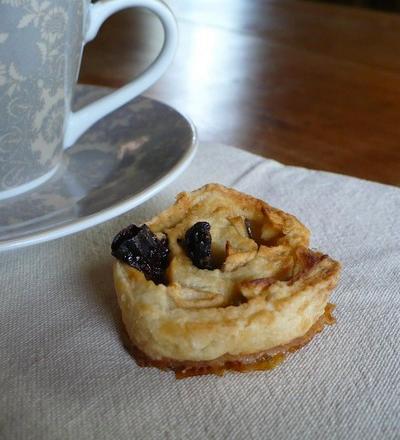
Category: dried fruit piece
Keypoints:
(198, 245)
(140, 248)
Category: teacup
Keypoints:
(41, 43)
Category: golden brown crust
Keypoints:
(265, 360)
(269, 291)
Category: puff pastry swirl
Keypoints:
(267, 293)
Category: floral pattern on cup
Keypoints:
(40, 47)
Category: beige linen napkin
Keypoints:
(64, 373)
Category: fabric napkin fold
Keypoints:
(64, 373)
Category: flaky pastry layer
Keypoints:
(265, 360)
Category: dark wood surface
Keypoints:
(304, 83)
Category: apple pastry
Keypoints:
(220, 281)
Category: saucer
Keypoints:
(119, 163)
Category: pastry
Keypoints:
(218, 281)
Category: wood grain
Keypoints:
(303, 83)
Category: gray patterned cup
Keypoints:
(41, 44)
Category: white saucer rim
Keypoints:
(113, 211)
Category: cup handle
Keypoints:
(78, 122)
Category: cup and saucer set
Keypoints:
(74, 156)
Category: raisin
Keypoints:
(138, 247)
(197, 243)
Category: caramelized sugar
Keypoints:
(261, 365)
(259, 362)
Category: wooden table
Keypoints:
(304, 83)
